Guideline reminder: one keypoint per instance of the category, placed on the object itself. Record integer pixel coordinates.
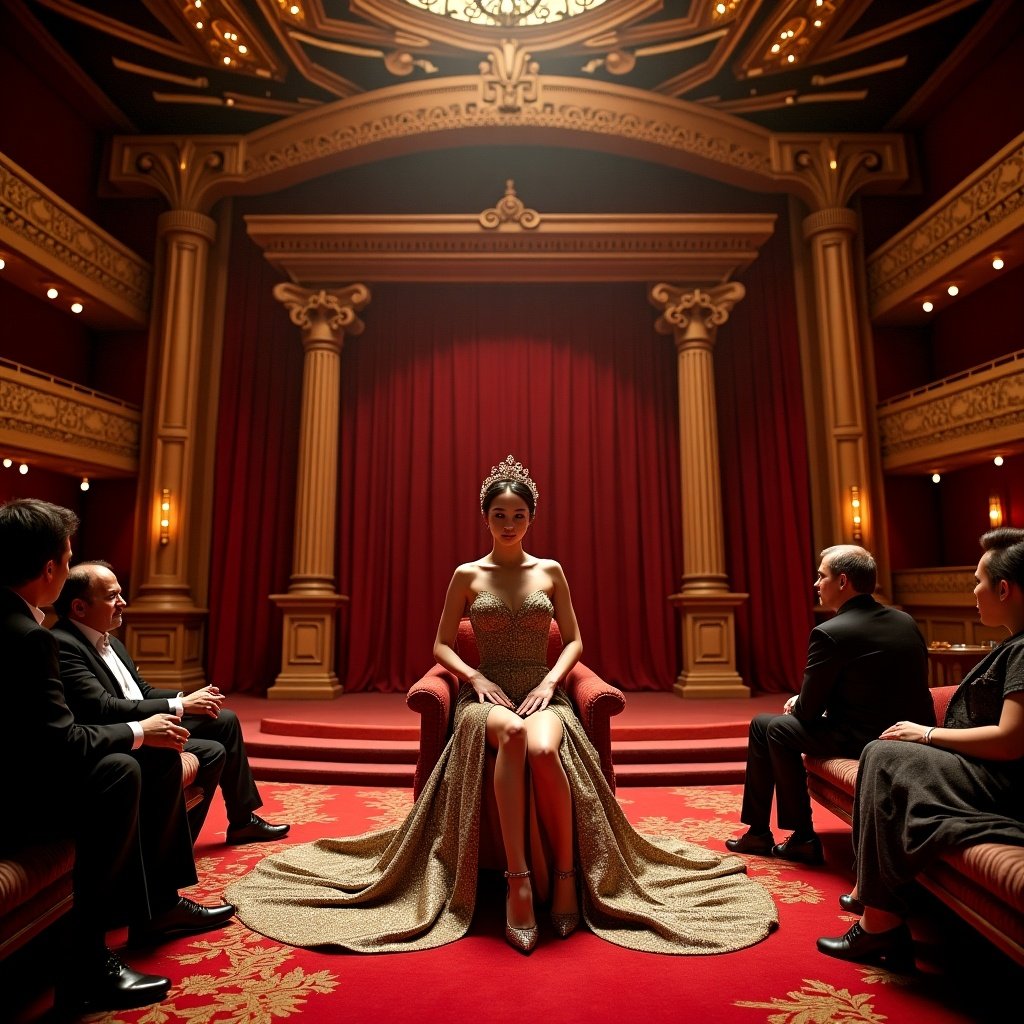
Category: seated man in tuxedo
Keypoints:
(867, 667)
(103, 685)
(115, 790)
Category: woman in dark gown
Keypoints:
(952, 785)
(415, 886)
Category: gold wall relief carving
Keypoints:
(645, 125)
(508, 78)
(57, 240)
(827, 171)
(943, 425)
(66, 427)
(952, 585)
(510, 209)
(986, 208)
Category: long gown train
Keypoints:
(414, 887)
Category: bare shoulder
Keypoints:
(552, 569)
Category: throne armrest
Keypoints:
(596, 703)
(432, 697)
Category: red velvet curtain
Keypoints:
(447, 381)
(254, 487)
(765, 479)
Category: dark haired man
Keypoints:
(103, 685)
(867, 666)
(132, 846)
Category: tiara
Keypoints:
(509, 470)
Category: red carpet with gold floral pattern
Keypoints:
(234, 976)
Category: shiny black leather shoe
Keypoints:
(255, 830)
(851, 904)
(804, 851)
(758, 843)
(186, 917)
(112, 986)
(894, 949)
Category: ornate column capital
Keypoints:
(324, 316)
(190, 173)
(827, 171)
(693, 315)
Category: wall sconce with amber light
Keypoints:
(995, 512)
(165, 515)
(856, 519)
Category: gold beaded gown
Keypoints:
(414, 887)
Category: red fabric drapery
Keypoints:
(765, 480)
(572, 379)
(448, 380)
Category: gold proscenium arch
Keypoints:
(509, 103)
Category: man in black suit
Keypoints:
(116, 792)
(103, 686)
(867, 667)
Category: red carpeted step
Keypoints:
(680, 731)
(331, 773)
(660, 751)
(711, 773)
(305, 748)
(339, 730)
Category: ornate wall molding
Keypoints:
(942, 425)
(965, 225)
(59, 242)
(952, 586)
(66, 427)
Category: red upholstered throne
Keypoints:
(432, 697)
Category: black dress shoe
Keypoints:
(803, 851)
(851, 904)
(112, 986)
(184, 918)
(759, 843)
(256, 830)
(893, 948)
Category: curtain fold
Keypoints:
(765, 477)
(447, 381)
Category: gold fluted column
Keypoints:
(692, 316)
(165, 627)
(311, 605)
(830, 233)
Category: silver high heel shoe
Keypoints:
(565, 924)
(523, 939)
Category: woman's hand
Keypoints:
(911, 732)
(488, 692)
(537, 699)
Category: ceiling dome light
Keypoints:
(936, 478)
(84, 485)
(998, 460)
(997, 263)
(52, 293)
(76, 307)
(23, 468)
(8, 463)
(927, 305)
(952, 290)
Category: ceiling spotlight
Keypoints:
(936, 478)
(952, 290)
(998, 460)
(76, 307)
(997, 263)
(51, 292)
(23, 468)
(3, 262)
(8, 463)
(84, 485)
(927, 305)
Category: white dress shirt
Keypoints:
(129, 687)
